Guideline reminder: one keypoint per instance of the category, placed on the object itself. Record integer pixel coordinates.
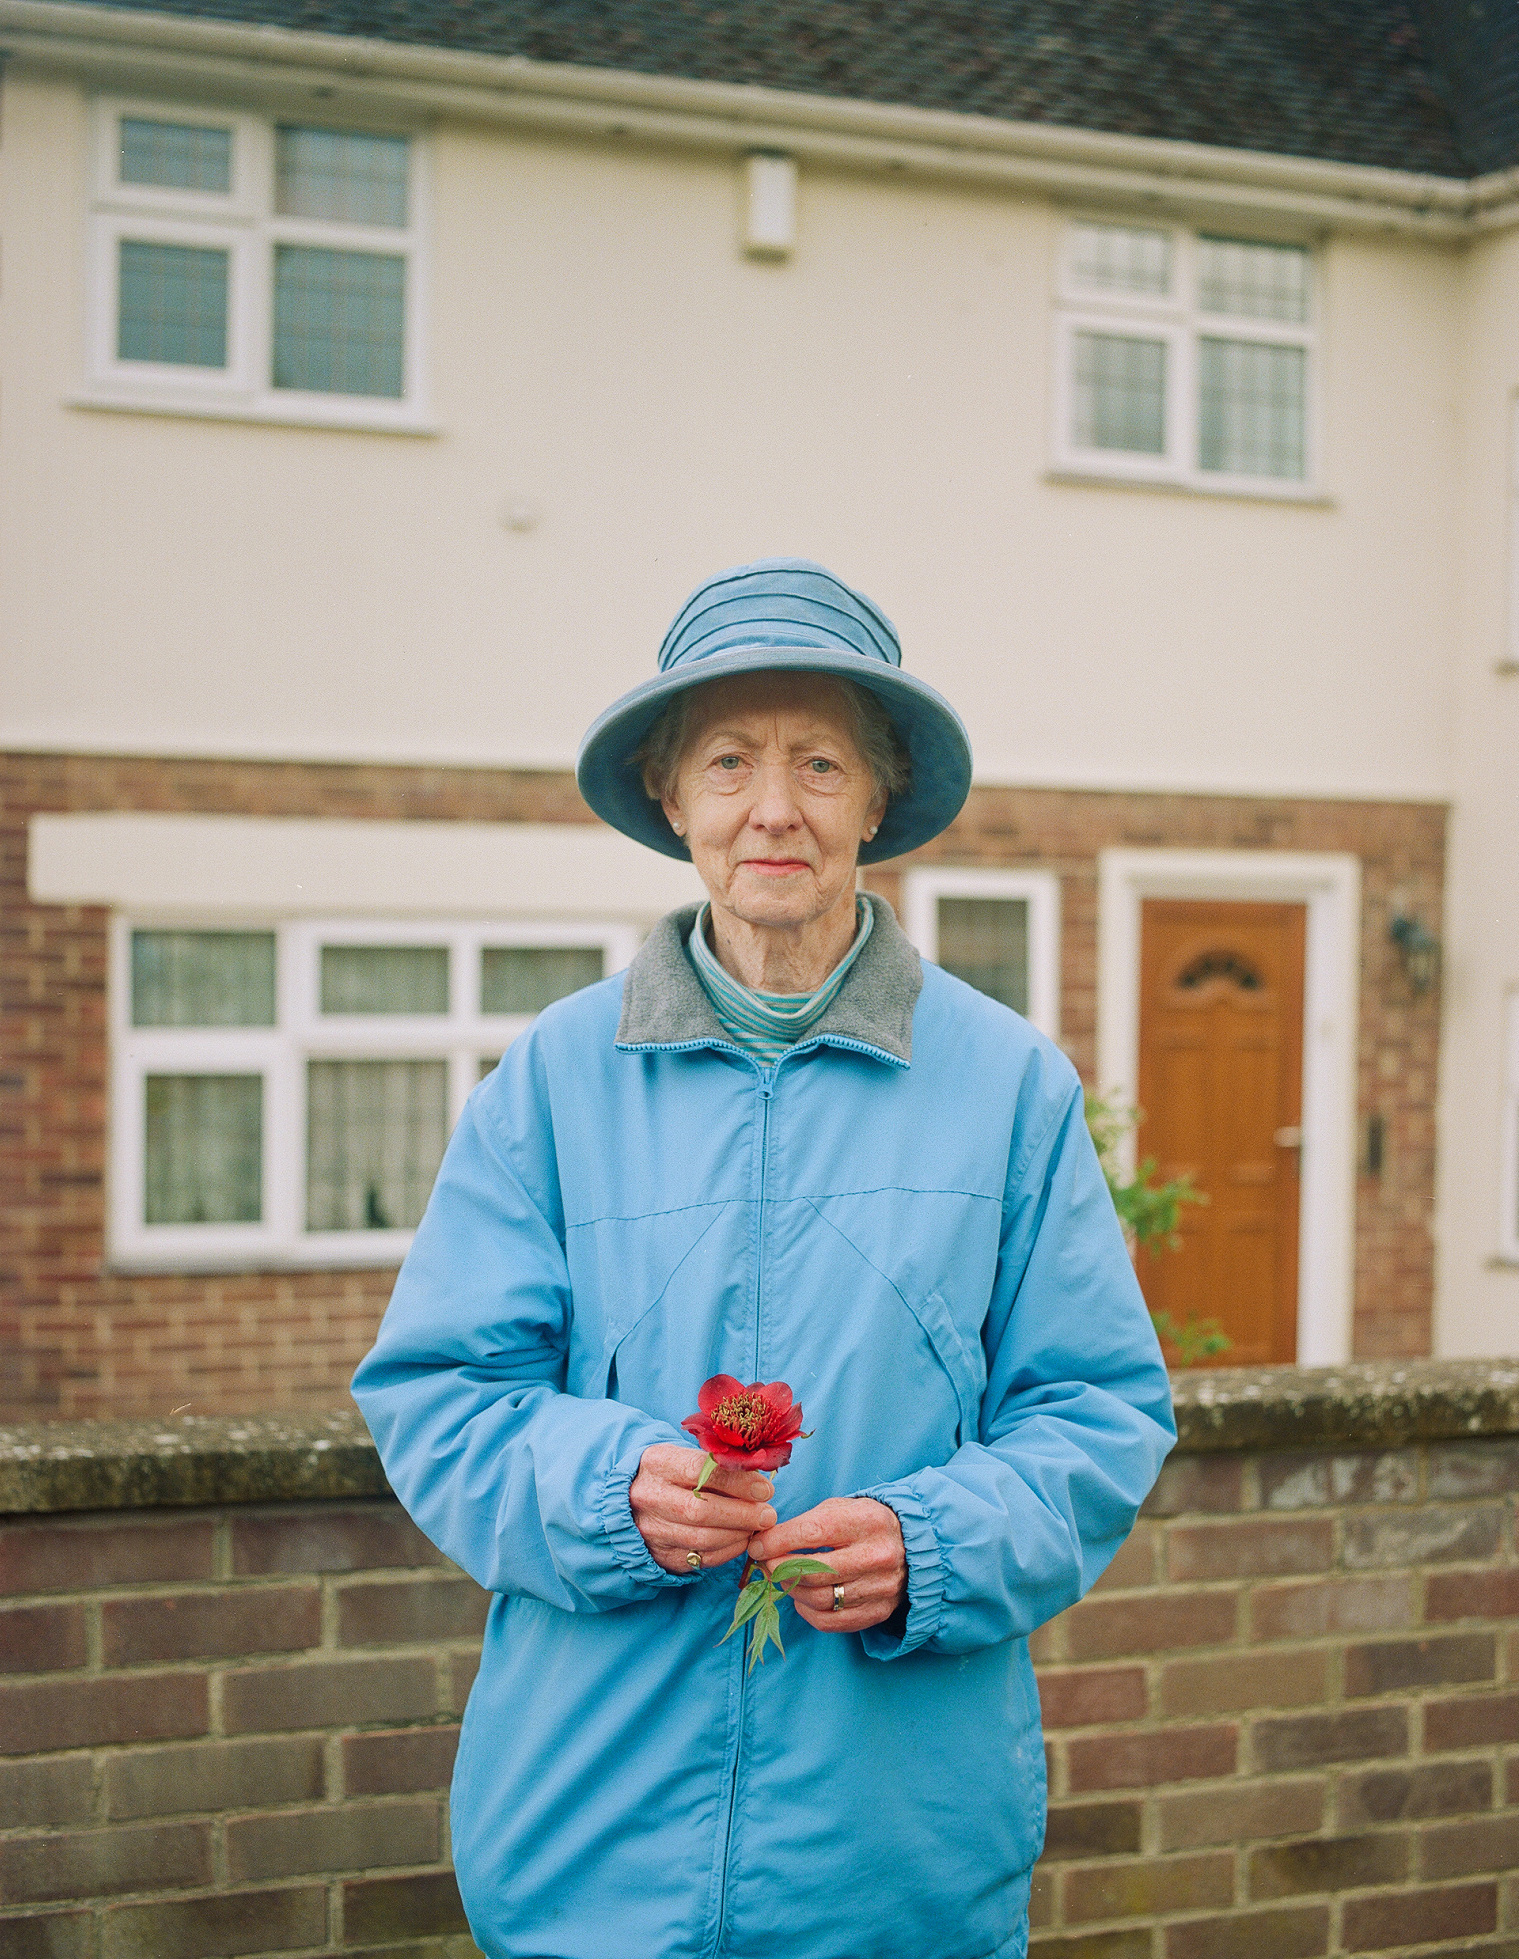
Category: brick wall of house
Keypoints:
(79, 1339)
(1401, 848)
(1285, 1724)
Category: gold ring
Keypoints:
(838, 1598)
(693, 1558)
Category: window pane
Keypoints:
(984, 941)
(338, 321)
(1256, 282)
(204, 1149)
(332, 173)
(524, 979)
(1119, 394)
(384, 979)
(375, 1132)
(202, 979)
(173, 304)
(178, 155)
(1251, 408)
(489, 1063)
(1121, 258)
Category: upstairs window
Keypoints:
(263, 268)
(283, 1096)
(1185, 357)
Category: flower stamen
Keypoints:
(746, 1415)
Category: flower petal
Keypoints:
(727, 1451)
(716, 1390)
(775, 1457)
(776, 1394)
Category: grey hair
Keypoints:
(658, 755)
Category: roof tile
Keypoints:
(1428, 85)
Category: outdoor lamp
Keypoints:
(1419, 948)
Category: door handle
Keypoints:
(1290, 1138)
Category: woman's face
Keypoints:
(773, 797)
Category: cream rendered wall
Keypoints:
(1477, 1295)
(601, 348)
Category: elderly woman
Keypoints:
(779, 1147)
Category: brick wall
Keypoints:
(1286, 1723)
(230, 1731)
(78, 1339)
(75, 1337)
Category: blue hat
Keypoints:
(782, 615)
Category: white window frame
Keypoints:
(462, 1038)
(1508, 1212)
(244, 223)
(922, 890)
(1176, 318)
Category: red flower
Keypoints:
(751, 1427)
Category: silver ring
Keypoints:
(838, 1598)
(693, 1558)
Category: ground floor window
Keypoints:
(997, 930)
(282, 1093)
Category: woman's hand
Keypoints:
(862, 1540)
(674, 1521)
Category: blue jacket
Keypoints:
(905, 1220)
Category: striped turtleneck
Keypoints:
(764, 1025)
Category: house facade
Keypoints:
(373, 396)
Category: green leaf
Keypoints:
(708, 1465)
(798, 1568)
(767, 1627)
(1149, 1212)
(750, 1600)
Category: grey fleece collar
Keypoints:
(664, 1004)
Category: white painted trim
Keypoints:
(1330, 886)
(461, 1038)
(1176, 319)
(224, 867)
(244, 223)
(922, 890)
(187, 55)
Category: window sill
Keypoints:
(343, 413)
(1096, 479)
(376, 1252)
(1503, 1262)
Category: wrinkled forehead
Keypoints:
(788, 707)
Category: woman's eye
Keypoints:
(727, 762)
(819, 765)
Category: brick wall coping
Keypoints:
(1368, 1404)
(187, 1459)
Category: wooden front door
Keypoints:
(1220, 1085)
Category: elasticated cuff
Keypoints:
(626, 1539)
(925, 1574)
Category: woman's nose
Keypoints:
(775, 805)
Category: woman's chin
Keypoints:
(782, 902)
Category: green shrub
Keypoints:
(1150, 1214)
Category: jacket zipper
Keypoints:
(766, 1088)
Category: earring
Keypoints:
(870, 833)
(679, 829)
